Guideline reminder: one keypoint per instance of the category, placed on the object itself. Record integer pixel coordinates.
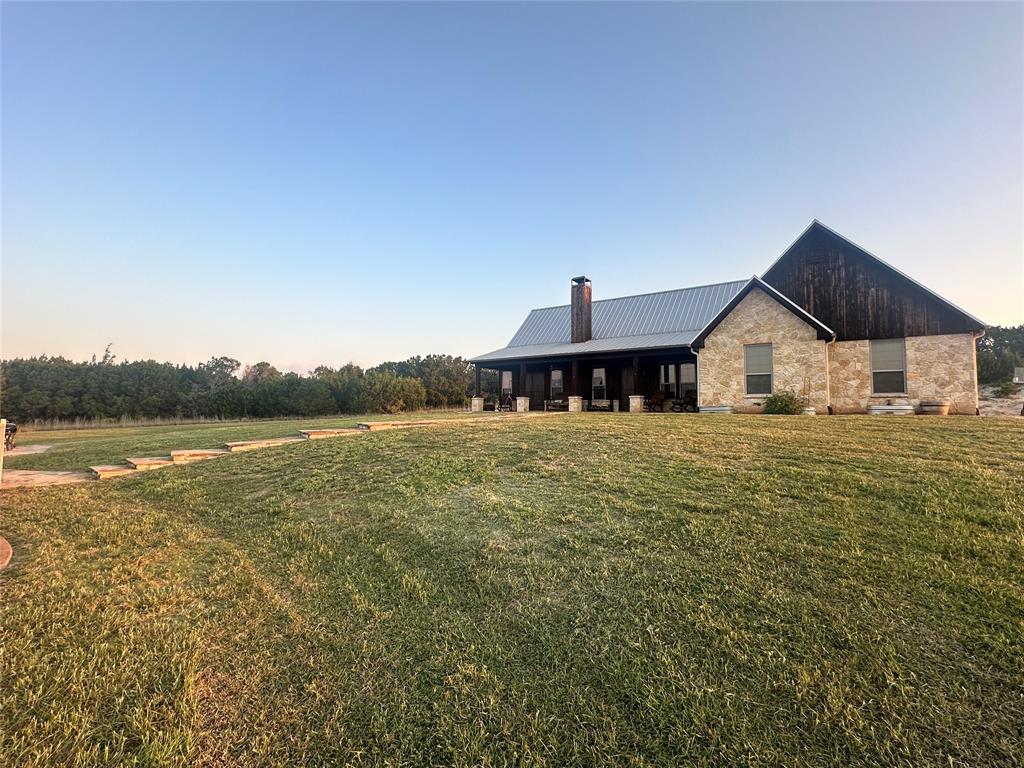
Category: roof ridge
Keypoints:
(652, 293)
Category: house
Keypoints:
(827, 320)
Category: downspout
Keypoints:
(828, 373)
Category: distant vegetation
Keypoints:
(54, 388)
(1000, 350)
(48, 388)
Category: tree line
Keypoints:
(1000, 350)
(47, 388)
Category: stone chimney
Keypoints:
(580, 309)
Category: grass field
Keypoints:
(77, 448)
(574, 590)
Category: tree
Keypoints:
(257, 373)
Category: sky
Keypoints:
(318, 183)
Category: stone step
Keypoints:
(198, 454)
(320, 434)
(150, 462)
(251, 445)
(104, 471)
(377, 426)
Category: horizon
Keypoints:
(319, 184)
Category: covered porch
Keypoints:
(664, 378)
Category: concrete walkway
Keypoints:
(19, 478)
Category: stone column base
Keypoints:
(477, 405)
(522, 404)
(636, 403)
(575, 404)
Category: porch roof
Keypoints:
(647, 321)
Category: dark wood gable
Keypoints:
(858, 296)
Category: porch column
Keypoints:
(636, 374)
(574, 378)
(522, 379)
(476, 387)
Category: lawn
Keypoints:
(574, 590)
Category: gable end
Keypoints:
(857, 294)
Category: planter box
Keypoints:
(715, 409)
(935, 407)
(891, 410)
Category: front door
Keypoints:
(627, 387)
(534, 389)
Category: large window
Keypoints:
(668, 380)
(506, 383)
(888, 367)
(687, 379)
(758, 368)
(556, 384)
(599, 389)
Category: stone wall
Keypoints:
(799, 357)
(938, 368)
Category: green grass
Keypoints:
(577, 590)
(78, 448)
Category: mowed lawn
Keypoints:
(572, 590)
(80, 448)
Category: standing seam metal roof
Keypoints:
(671, 315)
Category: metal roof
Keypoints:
(647, 321)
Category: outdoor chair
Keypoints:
(655, 402)
(10, 430)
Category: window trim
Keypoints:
(872, 370)
(770, 374)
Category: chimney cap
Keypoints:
(581, 279)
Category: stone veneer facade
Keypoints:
(799, 357)
(938, 368)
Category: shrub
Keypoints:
(787, 403)
(389, 393)
(1006, 389)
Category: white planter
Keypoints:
(715, 409)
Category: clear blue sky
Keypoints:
(314, 183)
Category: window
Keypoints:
(599, 391)
(668, 379)
(687, 379)
(556, 384)
(888, 367)
(758, 365)
(506, 383)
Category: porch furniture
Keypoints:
(655, 402)
(10, 430)
(556, 405)
(686, 404)
(600, 405)
(506, 404)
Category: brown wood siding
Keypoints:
(856, 295)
